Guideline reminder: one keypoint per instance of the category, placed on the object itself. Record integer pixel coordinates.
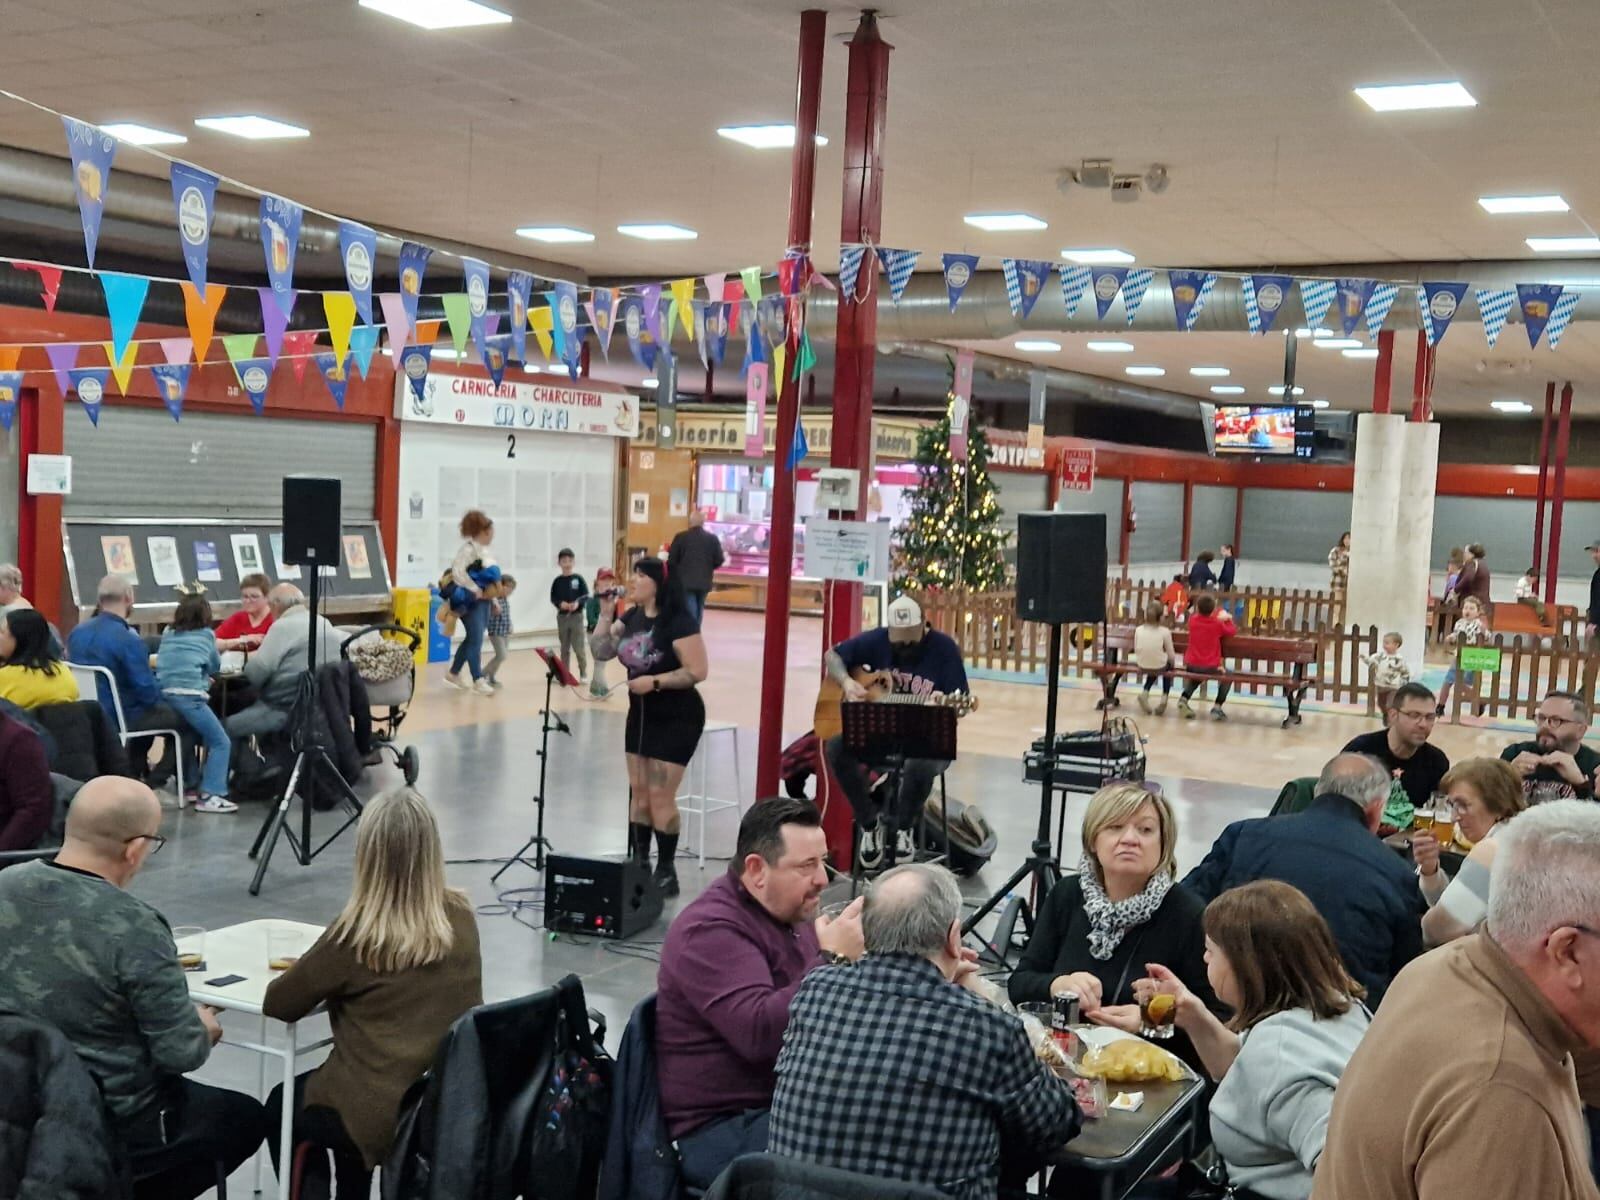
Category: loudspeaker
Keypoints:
(602, 897)
(311, 520)
(1061, 567)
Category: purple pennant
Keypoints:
(62, 360)
(274, 320)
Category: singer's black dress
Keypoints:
(664, 725)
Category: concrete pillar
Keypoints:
(1391, 528)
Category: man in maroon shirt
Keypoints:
(731, 964)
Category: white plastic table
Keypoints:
(242, 950)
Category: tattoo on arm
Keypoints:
(837, 671)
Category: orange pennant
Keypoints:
(9, 356)
(427, 332)
(202, 314)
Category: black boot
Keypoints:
(639, 843)
(666, 863)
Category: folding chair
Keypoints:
(87, 676)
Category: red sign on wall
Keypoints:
(1077, 468)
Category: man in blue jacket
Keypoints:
(105, 640)
(1366, 892)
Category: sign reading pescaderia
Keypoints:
(541, 407)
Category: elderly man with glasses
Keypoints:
(1403, 748)
(1556, 765)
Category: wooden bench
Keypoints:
(1290, 654)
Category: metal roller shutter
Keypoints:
(1159, 536)
(1212, 522)
(1286, 525)
(1104, 496)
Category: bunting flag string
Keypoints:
(1438, 304)
(194, 197)
(125, 296)
(1316, 297)
(1107, 286)
(1190, 291)
(898, 266)
(1494, 307)
(1263, 300)
(1537, 300)
(90, 384)
(850, 259)
(1560, 315)
(1075, 282)
(1134, 288)
(172, 380)
(1378, 306)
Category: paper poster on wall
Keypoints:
(49, 474)
(647, 460)
(285, 570)
(640, 511)
(164, 564)
(678, 502)
(246, 553)
(118, 552)
(355, 556)
(207, 567)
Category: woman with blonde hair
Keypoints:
(396, 968)
(1483, 794)
(1096, 930)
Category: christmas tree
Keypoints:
(953, 536)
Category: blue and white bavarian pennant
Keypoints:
(958, 272)
(1494, 306)
(1107, 283)
(850, 270)
(897, 265)
(1353, 295)
(1560, 315)
(1438, 304)
(1134, 288)
(1315, 297)
(1190, 291)
(1075, 282)
(1025, 280)
(1263, 300)
(1538, 302)
(1378, 306)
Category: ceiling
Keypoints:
(596, 112)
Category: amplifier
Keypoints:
(1086, 760)
(600, 897)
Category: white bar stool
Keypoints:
(696, 802)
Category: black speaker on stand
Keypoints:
(1061, 580)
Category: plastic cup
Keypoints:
(284, 948)
(191, 940)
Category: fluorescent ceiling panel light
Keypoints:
(658, 232)
(1152, 372)
(1564, 245)
(647, 383)
(1097, 257)
(1337, 344)
(1103, 347)
(1318, 333)
(1227, 389)
(1209, 372)
(136, 134)
(1004, 222)
(554, 233)
(1407, 97)
(447, 353)
(1317, 403)
(439, 14)
(1501, 205)
(1363, 352)
(255, 128)
(1511, 406)
(1277, 390)
(1031, 346)
(763, 137)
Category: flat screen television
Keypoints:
(1264, 429)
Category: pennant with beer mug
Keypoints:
(519, 287)
(335, 373)
(1190, 291)
(602, 309)
(172, 381)
(92, 150)
(1353, 295)
(496, 356)
(1025, 279)
(1537, 302)
(194, 196)
(413, 266)
(280, 236)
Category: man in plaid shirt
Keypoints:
(899, 1067)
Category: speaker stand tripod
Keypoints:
(540, 845)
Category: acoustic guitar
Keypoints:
(827, 721)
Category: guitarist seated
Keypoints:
(919, 661)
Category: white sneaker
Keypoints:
(456, 682)
(483, 687)
(215, 804)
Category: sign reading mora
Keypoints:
(545, 408)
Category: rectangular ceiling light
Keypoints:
(1111, 347)
(1277, 390)
(554, 233)
(1036, 347)
(1097, 256)
(256, 129)
(1361, 352)
(1227, 389)
(1210, 372)
(1302, 333)
(142, 135)
(1564, 245)
(658, 232)
(1511, 406)
(1317, 403)
(439, 14)
(1522, 204)
(1334, 343)
(763, 137)
(1406, 97)
(1004, 222)
(1152, 372)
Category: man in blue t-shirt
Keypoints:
(922, 662)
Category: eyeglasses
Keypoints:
(1428, 715)
(1547, 719)
(148, 837)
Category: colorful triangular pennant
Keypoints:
(194, 196)
(340, 309)
(1025, 279)
(90, 383)
(63, 358)
(274, 320)
(92, 150)
(255, 376)
(1353, 295)
(413, 266)
(200, 312)
(1560, 315)
(280, 237)
(397, 320)
(682, 292)
(1316, 296)
(363, 341)
(1378, 306)
(121, 368)
(172, 381)
(1134, 288)
(333, 370)
(124, 302)
(1537, 301)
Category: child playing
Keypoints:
(1175, 598)
(605, 587)
(1153, 654)
(1528, 593)
(499, 628)
(568, 591)
(458, 601)
(1209, 625)
(186, 661)
(1389, 671)
(1472, 629)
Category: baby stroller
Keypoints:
(389, 670)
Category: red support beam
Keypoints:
(1419, 380)
(1188, 518)
(780, 558)
(1544, 474)
(1383, 371)
(41, 429)
(1559, 500)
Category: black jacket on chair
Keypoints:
(516, 1104)
(55, 1140)
(641, 1162)
(86, 744)
(773, 1177)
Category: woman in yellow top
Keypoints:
(33, 673)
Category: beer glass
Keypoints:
(191, 941)
(284, 948)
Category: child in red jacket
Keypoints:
(1203, 656)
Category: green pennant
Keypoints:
(752, 283)
(239, 345)
(806, 358)
(670, 323)
(458, 311)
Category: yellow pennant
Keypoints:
(542, 322)
(778, 354)
(122, 371)
(340, 308)
(683, 294)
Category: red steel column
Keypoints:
(1559, 500)
(41, 429)
(1544, 474)
(1419, 380)
(1383, 372)
(1188, 518)
(856, 342)
(780, 558)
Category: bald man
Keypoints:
(279, 662)
(78, 952)
(693, 558)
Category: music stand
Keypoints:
(555, 670)
(886, 735)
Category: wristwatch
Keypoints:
(834, 959)
(655, 683)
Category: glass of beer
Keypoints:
(1158, 1009)
(284, 948)
(1422, 814)
(1444, 824)
(191, 941)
